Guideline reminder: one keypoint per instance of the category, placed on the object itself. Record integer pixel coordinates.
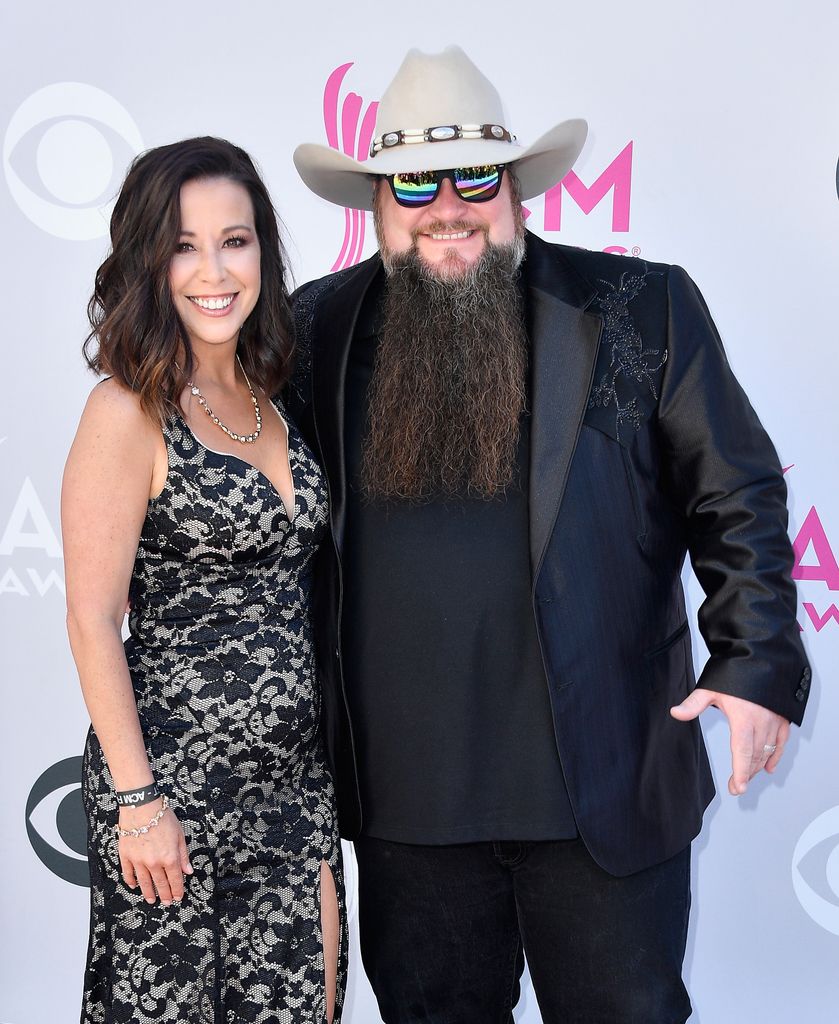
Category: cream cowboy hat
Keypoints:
(439, 111)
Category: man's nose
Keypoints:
(447, 204)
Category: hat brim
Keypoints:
(340, 179)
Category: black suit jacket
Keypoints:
(643, 448)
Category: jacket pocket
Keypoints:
(635, 494)
(669, 642)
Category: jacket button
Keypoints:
(807, 674)
(800, 694)
(805, 685)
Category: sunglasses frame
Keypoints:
(440, 178)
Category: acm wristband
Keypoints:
(138, 797)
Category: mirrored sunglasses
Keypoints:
(472, 184)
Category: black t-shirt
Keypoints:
(444, 675)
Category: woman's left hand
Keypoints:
(157, 860)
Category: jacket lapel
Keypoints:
(564, 342)
(332, 332)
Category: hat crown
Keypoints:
(434, 90)
(431, 89)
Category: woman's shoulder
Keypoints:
(114, 414)
(112, 401)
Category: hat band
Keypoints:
(440, 133)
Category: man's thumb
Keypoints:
(691, 707)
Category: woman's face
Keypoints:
(215, 270)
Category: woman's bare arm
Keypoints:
(113, 467)
(104, 497)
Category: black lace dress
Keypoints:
(222, 662)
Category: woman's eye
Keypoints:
(235, 241)
(183, 247)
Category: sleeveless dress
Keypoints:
(222, 662)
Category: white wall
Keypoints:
(731, 111)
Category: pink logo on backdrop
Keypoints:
(616, 178)
(816, 562)
(349, 131)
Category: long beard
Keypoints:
(449, 380)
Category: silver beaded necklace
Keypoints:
(243, 438)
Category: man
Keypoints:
(522, 442)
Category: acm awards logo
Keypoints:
(29, 547)
(356, 134)
(815, 564)
(64, 153)
(357, 121)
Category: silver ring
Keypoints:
(770, 748)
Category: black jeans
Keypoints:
(444, 930)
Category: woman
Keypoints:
(190, 496)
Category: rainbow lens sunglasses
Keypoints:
(472, 184)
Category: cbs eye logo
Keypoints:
(815, 870)
(56, 824)
(59, 158)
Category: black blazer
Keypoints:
(643, 448)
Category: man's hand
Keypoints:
(758, 735)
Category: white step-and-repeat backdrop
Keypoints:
(714, 144)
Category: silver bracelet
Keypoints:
(121, 833)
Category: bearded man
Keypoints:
(522, 442)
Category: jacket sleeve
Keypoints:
(724, 474)
(298, 390)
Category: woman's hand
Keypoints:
(158, 860)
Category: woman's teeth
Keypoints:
(222, 303)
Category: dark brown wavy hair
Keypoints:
(136, 334)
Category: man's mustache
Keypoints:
(439, 227)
